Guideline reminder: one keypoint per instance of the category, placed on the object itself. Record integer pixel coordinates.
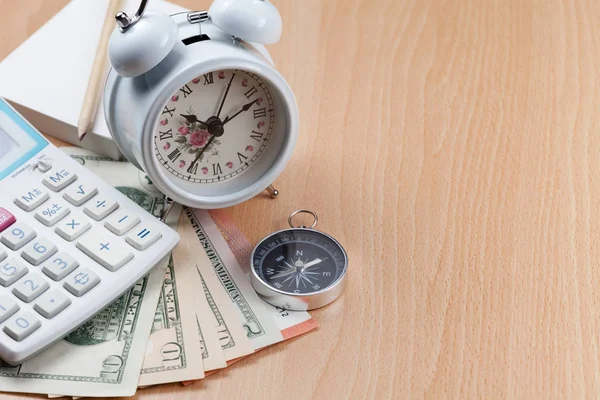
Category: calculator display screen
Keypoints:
(19, 141)
(7, 144)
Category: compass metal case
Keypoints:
(299, 268)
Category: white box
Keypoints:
(46, 77)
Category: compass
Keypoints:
(299, 268)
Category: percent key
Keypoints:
(52, 214)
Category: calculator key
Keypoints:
(106, 249)
(59, 266)
(30, 287)
(11, 270)
(3, 255)
(51, 303)
(101, 207)
(18, 236)
(22, 325)
(32, 199)
(81, 281)
(122, 221)
(38, 251)
(44, 165)
(58, 179)
(73, 227)
(143, 237)
(7, 307)
(52, 213)
(6, 219)
(80, 193)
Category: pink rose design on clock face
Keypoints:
(198, 139)
(216, 127)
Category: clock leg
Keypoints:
(272, 191)
(166, 209)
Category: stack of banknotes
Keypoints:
(193, 315)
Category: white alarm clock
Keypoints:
(194, 100)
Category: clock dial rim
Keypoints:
(285, 103)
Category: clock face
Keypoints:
(301, 261)
(215, 128)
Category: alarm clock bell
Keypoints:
(146, 39)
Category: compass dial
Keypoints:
(300, 261)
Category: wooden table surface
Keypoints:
(453, 147)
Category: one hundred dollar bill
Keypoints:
(256, 318)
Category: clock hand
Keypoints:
(192, 118)
(191, 167)
(244, 108)
(225, 96)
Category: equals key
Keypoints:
(142, 238)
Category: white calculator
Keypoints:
(70, 244)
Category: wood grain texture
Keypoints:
(453, 147)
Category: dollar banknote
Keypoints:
(102, 357)
(213, 357)
(210, 348)
(174, 351)
(290, 323)
(222, 316)
(256, 318)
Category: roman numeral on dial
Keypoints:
(256, 136)
(260, 113)
(186, 91)
(166, 110)
(166, 135)
(208, 78)
(193, 169)
(174, 155)
(251, 92)
(242, 157)
(217, 169)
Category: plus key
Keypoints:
(102, 247)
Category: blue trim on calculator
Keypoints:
(40, 142)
